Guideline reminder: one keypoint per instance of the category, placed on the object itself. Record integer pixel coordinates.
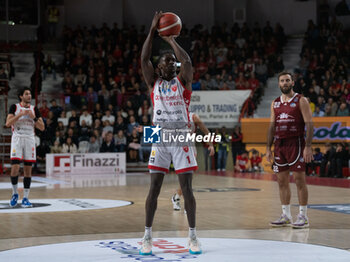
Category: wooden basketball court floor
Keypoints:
(229, 205)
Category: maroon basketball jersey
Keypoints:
(289, 121)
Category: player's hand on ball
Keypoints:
(169, 38)
(155, 20)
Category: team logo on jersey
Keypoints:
(185, 148)
(293, 105)
(301, 160)
(174, 88)
(153, 153)
(284, 116)
(152, 134)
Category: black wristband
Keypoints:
(35, 119)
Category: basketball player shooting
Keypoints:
(170, 93)
(23, 118)
(290, 113)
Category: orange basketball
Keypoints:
(169, 24)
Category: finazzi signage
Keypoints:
(86, 163)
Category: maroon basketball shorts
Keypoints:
(288, 155)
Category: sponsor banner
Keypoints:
(339, 208)
(175, 249)
(62, 205)
(113, 163)
(326, 129)
(218, 108)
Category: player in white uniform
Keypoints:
(195, 122)
(23, 118)
(171, 96)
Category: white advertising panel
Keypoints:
(218, 108)
(86, 163)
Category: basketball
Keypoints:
(169, 24)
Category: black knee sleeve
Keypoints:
(14, 180)
(26, 182)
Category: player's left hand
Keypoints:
(211, 150)
(307, 154)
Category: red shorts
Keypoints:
(288, 155)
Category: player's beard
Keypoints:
(286, 89)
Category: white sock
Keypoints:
(26, 192)
(192, 233)
(303, 210)
(286, 210)
(148, 232)
(14, 189)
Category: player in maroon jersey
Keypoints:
(290, 113)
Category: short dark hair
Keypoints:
(21, 92)
(284, 73)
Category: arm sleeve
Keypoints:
(12, 109)
(37, 112)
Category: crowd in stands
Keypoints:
(107, 100)
(323, 77)
(324, 69)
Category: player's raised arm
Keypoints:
(270, 135)
(186, 73)
(146, 64)
(307, 116)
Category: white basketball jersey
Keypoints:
(170, 103)
(24, 126)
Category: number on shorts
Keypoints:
(188, 159)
